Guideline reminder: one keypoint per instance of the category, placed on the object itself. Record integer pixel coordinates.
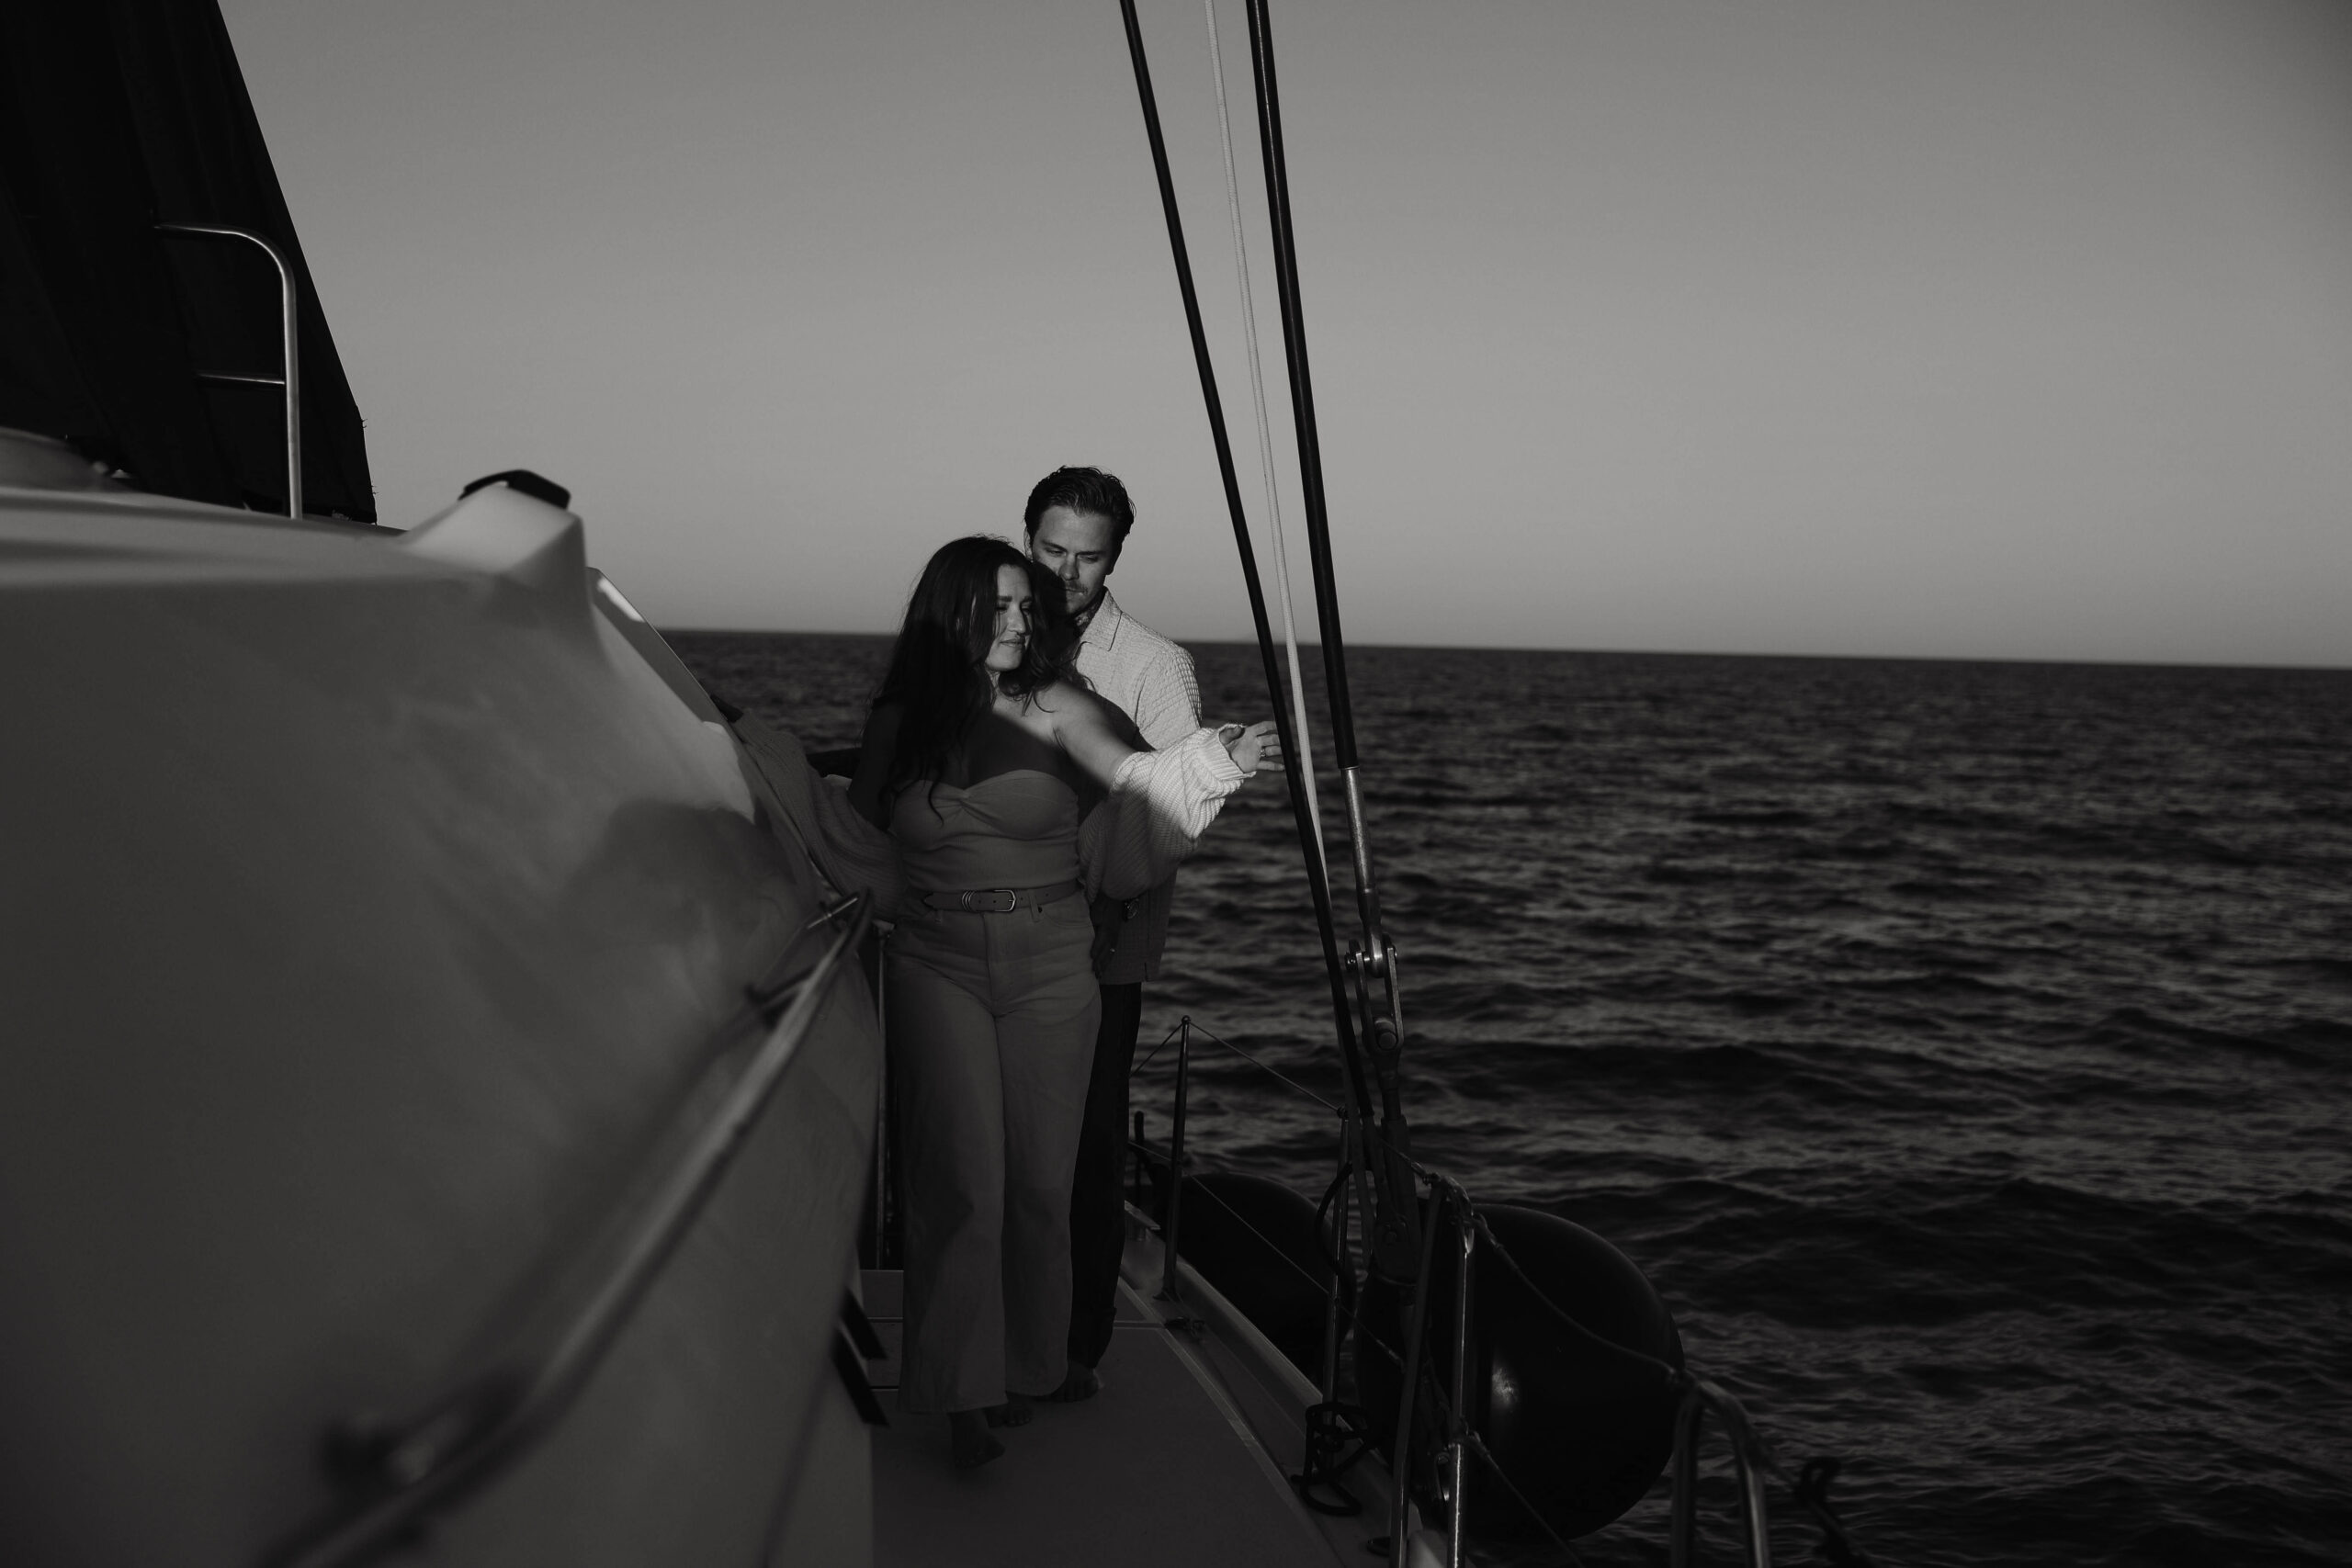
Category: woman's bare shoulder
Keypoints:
(1070, 702)
(1064, 695)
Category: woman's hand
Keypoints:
(1256, 746)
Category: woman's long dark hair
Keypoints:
(936, 675)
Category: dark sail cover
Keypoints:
(115, 115)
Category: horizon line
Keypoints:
(2021, 660)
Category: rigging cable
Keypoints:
(1265, 436)
(1310, 847)
(1383, 1038)
(1302, 387)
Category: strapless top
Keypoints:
(1011, 830)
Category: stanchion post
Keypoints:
(1754, 1509)
(1401, 1467)
(1457, 1530)
(882, 1101)
(1138, 1167)
(1176, 1160)
(1682, 1534)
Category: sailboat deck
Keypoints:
(1161, 1467)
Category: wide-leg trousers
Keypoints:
(1097, 1198)
(993, 1020)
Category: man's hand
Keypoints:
(1257, 746)
(1109, 914)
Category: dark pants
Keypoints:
(1098, 1222)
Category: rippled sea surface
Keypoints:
(1964, 1050)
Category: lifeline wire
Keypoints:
(1156, 1050)
(1311, 853)
(1275, 1073)
(1355, 1319)
(1265, 436)
(1673, 1378)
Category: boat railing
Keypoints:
(1751, 1459)
(1455, 1214)
(289, 379)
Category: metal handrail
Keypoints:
(1466, 1234)
(1176, 1164)
(291, 379)
(402, 1471)
(1748, 1458)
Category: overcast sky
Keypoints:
(1978, 328)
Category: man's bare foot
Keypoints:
(1084, 1382)
(1016, 1411)
(968, 1437)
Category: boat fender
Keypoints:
(1578, 1414)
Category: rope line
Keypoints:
(1266, 440)
(1331, 1258)
(1812, 1496)
(1674, 1379)
(1337, 1434)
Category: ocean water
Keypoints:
(1963, 1050)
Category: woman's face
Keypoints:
(1014, 604)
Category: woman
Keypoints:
(981, 751)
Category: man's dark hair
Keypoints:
(1082, 490)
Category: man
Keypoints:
(1076, 520)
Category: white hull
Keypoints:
(371, 910)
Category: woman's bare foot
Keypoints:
(1016, 1411)
(1084, 1382)
(968, 1437)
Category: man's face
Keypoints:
(1075, 547)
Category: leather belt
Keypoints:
(999, 901)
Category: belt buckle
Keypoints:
(1012, 901)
